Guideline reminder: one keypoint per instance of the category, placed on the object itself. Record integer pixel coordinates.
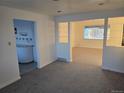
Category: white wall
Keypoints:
(113, 59)
(62, 51)
(9, 71)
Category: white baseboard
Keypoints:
(43, 65)
(112, 69)
(88, 47)
(9, 82)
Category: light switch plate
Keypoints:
(9, 43)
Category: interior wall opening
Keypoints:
(63, 41)
(86, 41)
(25, 36)
(113, 54)
(115, 29)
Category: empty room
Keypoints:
(62, 46)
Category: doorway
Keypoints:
(25, 45)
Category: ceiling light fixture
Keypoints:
(55, 0)
(101, 3)
(59, 11)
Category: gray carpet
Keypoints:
(60, 77)
(27, 67)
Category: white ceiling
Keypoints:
(51, 7)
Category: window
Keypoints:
(94, 32)
(63, 32)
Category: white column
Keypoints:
(105, 32)
(105, 39)
(69, 43)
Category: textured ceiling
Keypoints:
(51, 7)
